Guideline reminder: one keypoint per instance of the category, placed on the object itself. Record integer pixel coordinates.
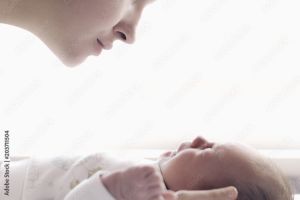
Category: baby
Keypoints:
(199, 165)
(202, 165)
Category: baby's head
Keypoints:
(213, 165)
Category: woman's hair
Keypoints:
(267, 183)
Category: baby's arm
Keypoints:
(56, 178)
(78, 178)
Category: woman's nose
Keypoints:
(125, 32)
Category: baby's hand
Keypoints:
(135, 183)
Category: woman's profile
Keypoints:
(75, 29)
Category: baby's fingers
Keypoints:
(169, 195)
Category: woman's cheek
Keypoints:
(112, 13)
(103, 14)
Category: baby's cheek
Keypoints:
(206, 156)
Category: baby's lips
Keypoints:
(166, 154)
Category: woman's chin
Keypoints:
(72, 60)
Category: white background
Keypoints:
(225, 69)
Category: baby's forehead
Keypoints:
(231, 147)
(233, 153)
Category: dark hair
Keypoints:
(268, 183)
(263, 180)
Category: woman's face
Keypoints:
(86, 27)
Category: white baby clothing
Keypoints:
(60, 178)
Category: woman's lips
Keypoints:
(99, 42)
(106, 46)
(98, 47)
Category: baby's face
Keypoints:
(206, 167)
(82, 22)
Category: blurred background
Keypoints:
(228, 70)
